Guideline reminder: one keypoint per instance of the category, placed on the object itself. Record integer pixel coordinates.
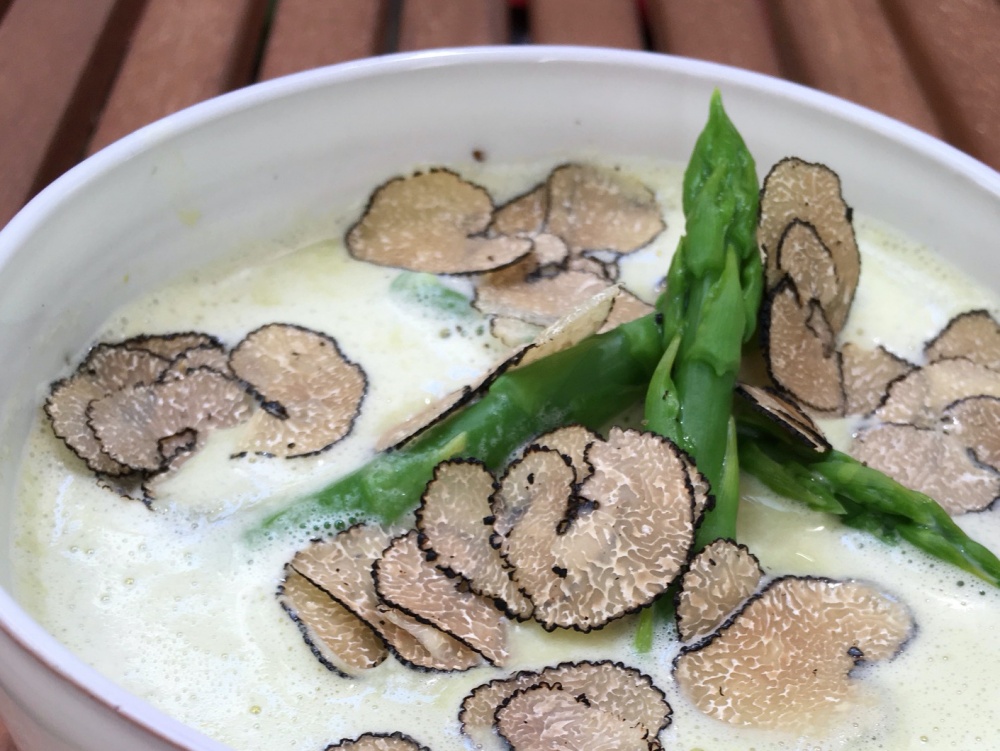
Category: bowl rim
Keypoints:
(44, 648)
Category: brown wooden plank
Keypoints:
(309, 33)
(848, 48)
(602, 23)
(955, 49)
(723, 31)
(57, 60)
(424, 24)
(183, 51)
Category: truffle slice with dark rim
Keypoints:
(975, 421)
(342, 567)
(454, 525)
(785, 413)
(211, 356)
(974, 335)
(799, 347)
(171, 346)
(549, 717)
(610, 686)
(540, 301)
(107, 369)
(378, 742)
(717, 581)
(407, 581)
(587, 557)
(435, 222)
(803, 256)
(310, 392)
(523, 215)
(572, 328)
(799, 190)
(785, 660)
(867, 375)
(339, 639)
(930, 461)
(597, 208)
(572, 441)
(921, 396)
(149, 428)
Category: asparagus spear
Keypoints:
(861, 496)
(709, 310)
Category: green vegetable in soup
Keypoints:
(861, 496)
(428, 293)
(709, 310)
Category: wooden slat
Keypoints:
(603, 23)
(848, 48)
(424, 24)
(309, 33)
(955, 48)
(723, 31)
(57, 60)
(183, 51)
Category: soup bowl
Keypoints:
(268, 165)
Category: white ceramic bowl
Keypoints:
(262, 163)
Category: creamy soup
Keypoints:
(179, 608)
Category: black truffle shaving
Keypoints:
(786, 414)
(396, 741)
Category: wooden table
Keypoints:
(77, 74)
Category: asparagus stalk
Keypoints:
(709, 310)
(861, 496)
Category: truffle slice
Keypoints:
(340, 640)
(627, 307)
(784, 661)
(548, 717)
(438, 410)
(785, 413)
(513, 331)
(572, 441)
(523, 215)
(803, 256)
(931, 462)
(454, 525)
(540, 301)
(378, 742)
(310, 392)
(795, 189)
(609, 686)
(974, 335)
(975, 421)
(148, 428)
(588, 557)
(433, 221)
(405, 579)
(342, 567)
(211, 356)
(171, 346)
(576, 325)
(717, 581)
(107, 369)
(921, 396)
(595, 208)
(799, 348)
(867, 375)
